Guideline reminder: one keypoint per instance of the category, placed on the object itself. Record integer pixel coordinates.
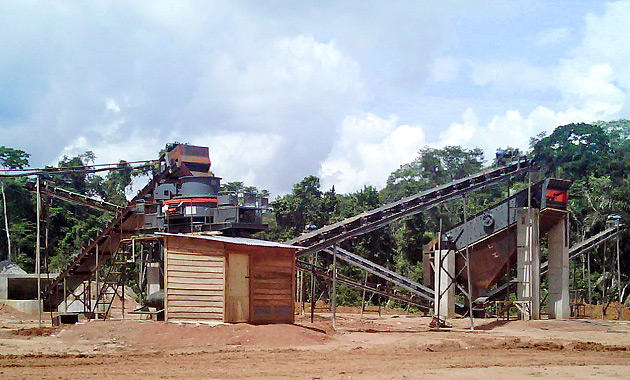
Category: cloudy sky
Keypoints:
(284, 89)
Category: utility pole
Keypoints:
(97, 275)
(590, 294)
(438, 286)
(469, 282)
(619, 277)
(334, 289)
(38, 253)
(313, 304)
(604, 282)
(6, 221)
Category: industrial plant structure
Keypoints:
(190, 246)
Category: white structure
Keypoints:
(559, 307)
(528, 263)
(444, 299)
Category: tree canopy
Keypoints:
(13, 158)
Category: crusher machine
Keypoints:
(183, 196)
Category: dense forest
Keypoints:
(596, 157)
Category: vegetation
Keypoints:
(596, 157)
(69, 226)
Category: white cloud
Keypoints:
(606, 41)
(240, 156)
(135, 147)
(460, 133)
(112, 105)
(553, 36)
(445, 70)
(367, 150)
(591, 89)
(508, 76)
(510, 129)
(284, 92)
(297, 88)
(593, 84)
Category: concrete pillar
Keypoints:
(528, 262)
(153, 278)
(558, 273)
(442, 281)
(4, 287)
(427, 271)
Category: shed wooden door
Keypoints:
(273, 280)
(238, 288)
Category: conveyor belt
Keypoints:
(330, 235)
(580, 248)
(126, 223)
(495, 219)
(349, 282)
(73, 197)
(384, 273)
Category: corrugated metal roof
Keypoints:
(234, 240)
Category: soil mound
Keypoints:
(35, 331)
(593, 346)
(160, 335)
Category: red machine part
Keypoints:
(173, 204)
(559, 196)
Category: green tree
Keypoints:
(117, 182)
(71, 226)
(13, 158)
(302, 208)
(574, 151)
(431, 168)
(596, 157)
(16, 227)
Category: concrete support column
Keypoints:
(558, 273)
(442, 281)
(528, 262)
(427, 271)
(4, 287)
(153, 278)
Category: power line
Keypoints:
(82, 169)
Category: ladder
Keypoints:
(113, 281)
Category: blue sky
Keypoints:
(280, 90)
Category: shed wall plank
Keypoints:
(196, 289)
(195, 280)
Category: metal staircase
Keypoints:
(112, 282)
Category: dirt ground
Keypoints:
(389, 347)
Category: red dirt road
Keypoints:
(392, 347)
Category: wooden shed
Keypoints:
(216, 278)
